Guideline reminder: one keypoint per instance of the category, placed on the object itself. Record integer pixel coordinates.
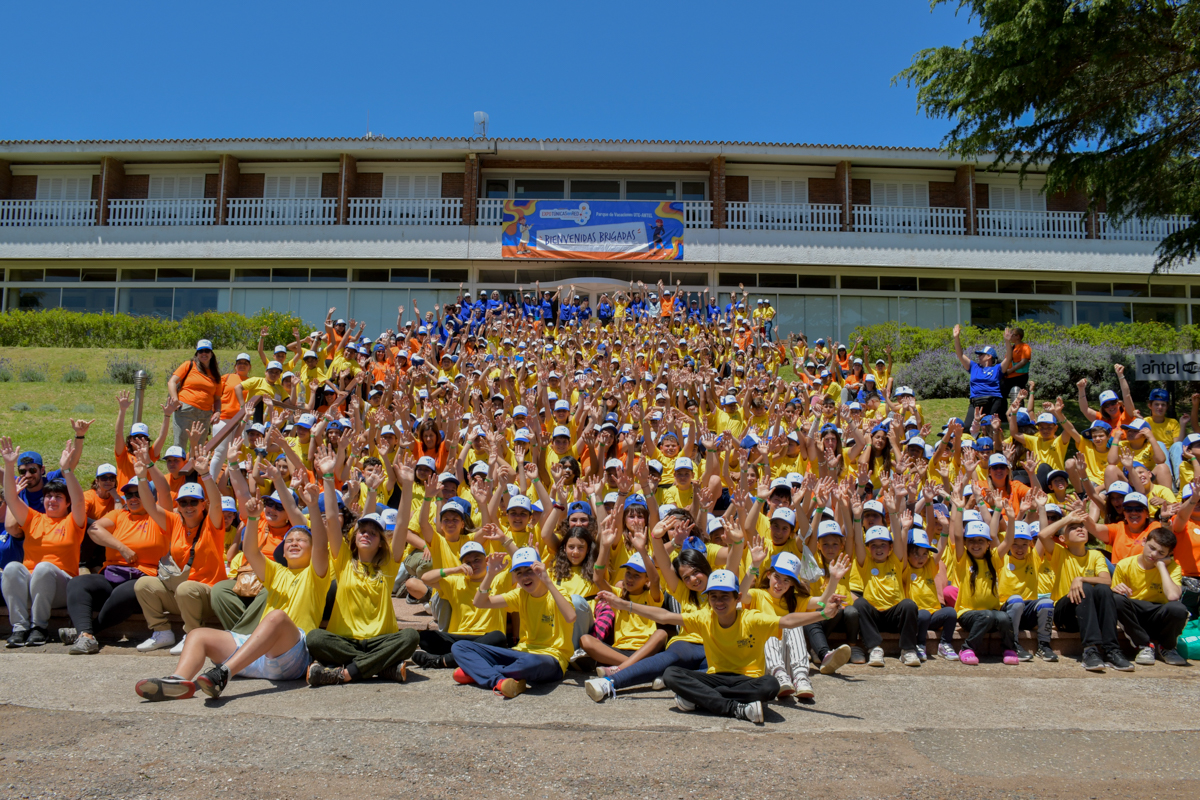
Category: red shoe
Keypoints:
(462, 677)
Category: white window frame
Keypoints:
(82, 187)
(310, 179)
(916, 193)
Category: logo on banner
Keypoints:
(646, 230)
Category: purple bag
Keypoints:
(118, 574)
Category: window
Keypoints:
(1130, 290)
(1052, 287)
(1166, 313)
(413, 186)
(693, 190)
(1102, 313)
(137, 274)
(975, 285)
(289, 275)
(897, 283)
(650, 190)
(90, 301)
(496, 189)
(278, 186)
(815, 281)
(33, 299)
(198, 301)
(64, 188)
(371, 275)
(64, 274)
(252, 274)
(1167, 290)
(496, 276)
(92, 274)
(211, 275)
(770, 190)
(26, 275)
(690, 278)
(1014, 287)
(595, 190)
(327, 274)
(1014, 199)
(409, 275)
(538, 189)
(936, 284)
(900, 194)
(992, 313)
(174, 274)
(734, 278)
(1094, 289)
(1057, 312)
(169, 187)
(155, 302)
(448, 276)
(777, 280)
(860, 282)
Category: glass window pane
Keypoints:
(371, 275)
(1102, 313)
(174, 274)
(198, 301)
(936, 284)
(976, 285)
(409, 275)
(91, 301)
(734, 278)
(992, 313)
(1167, 313)
(448, 276)
(1093, 289)
(62, 274)
(137, 274)
(815, 281)
(1167, 290)
(497, 189)
(690, 278)
(649, 190)
(863, 311)
(897, 283)
(1014, 287)
(327, 274)
(777, 280)
(1055, 311)
(98, 275)
(693, 190)
(33, 299)
(595, 190)
(860, 282)
(26, 274)
(146, 302)
(289, 275)
(1052, 287)
(253, 274)
(1129, 290)
(538, 189)
(212, 275)
(496, 276)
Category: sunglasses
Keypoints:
(130, 495)
(29, 471)
(189, 502)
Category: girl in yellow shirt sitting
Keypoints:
(977, 572)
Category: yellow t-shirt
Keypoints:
(577, 584)
(1166, 432)
(683, 595)
(299, 593)
(631, 631)
(465, 618)
(982, 598)
(1068, 567)
(1020, 577)
(762, 600)
(737, 649)
(922, 586)
(883, 584)
(1047, 451)
(363, 606)
(1147, 584)
(544, 630)
(253, 387)
(1095, 461)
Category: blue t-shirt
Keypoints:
(985, 381)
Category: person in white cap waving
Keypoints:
(196, 387)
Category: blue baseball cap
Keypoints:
(1159, 394)
(29, 456)
(635, 500)
(721, 580)
(579, 507)
(524, 557)
(986, 350)
(786, 564)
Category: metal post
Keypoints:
(140, 379)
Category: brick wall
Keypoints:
(981, 195)
(452, 184)
(24, 187)
(137, 187)
(1073, 200)
(737, 189)
(368, 184)
(860, 191)
(250, 185)
(95, 187)
(822, 190)
(5, 180)
(212, 183)
(329, 184)
(942, 194)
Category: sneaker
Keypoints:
(1092, 661)
(857, 656)
(85, 645)
(599, 689)
(967, 656)
(427, 660)
(605, 672)
(1046, 653)
(1117, 660)
(213, 681)
(909, 658)
(876, 659)
(37, 637)
(510, 687)
(1145, 657)
(67, 635)
(1172, 658)
(1023, 654)
(412, 601)
(804, 689)
(786, 689)
(659, 684)
(171, 687)
(157, 641)
(396, 672)
(835, 659)
(577, 655)
(946, 651)
(751, 712)
(17, 639)
(922, 654)
(320, 675)
(684, 705)
(462, 677)
(1011, 658)
(177, 650)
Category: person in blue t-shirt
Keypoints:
(712, 311)
(605, 310)
(583, 312)
(985, 378)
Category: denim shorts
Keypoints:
(291, 666)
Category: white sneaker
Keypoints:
(751, 712)
(786, 688)
(157, 641)
(876, 659)
(909, 658)
(1145, 657)
(599, 688)
(177, 650)
(804, 689)
(684, 705)
(659, 684)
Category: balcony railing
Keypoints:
(909, 219)
(405, 211)
(697, 213)
(282, 211)
(1153, 229)
(180, 211)
(783, 216)
(1032, 224)
(37, 213)
(489, 211)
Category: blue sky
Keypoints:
(752, 71)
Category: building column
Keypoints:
(5, 180)
(227, 185)
(347, 180)
(716, 190)
(964, 194)
(112, 185)
(844, 194)
(470, 189)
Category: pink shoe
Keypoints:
(1011, 657)
(967, 656)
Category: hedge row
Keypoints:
(57, 327)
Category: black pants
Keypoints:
(979, 623)
(986, 405)
(719, 693)
(362, 658)
(818, 633)
(944, 619)
(438, 643)
(1095, 618)
(1007, 384)
(117, 602)
(900, 618)
(1145, 622)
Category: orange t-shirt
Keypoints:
(1020, 352)
(141, 536)
(53, 540)
(1187, 550)
(1124, 544)
(196, 388)
(268, 537)
(208, 567)
(668, 306)
(229, 404)
(97, 506)
(124, 465)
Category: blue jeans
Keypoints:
(768, 327)
(680, 654)
(488, 665)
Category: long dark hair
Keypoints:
(797, 588)
(697, 561)
(214, 369)
(562, 564)
(987, 559)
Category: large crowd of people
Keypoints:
(662, 494)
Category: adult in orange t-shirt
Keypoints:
(99, 500)
(1125, 538)
(1187, 532)
(37, 584)
(1021, 356)
(196, 386)
(139, 434)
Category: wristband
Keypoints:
(856, 519)
(760, 500)
(823, 615)
(328, 474)
(78, 437)
(820, 604)
(443, 572)
(251, 519)
(753, 569)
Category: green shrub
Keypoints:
(74, 375)
(83, 408)
(50, 407)
(6, 373)
(32, 373)
(56, 327)
(21, 407)
(121, 369)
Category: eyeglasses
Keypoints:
(130, 495)
(30, 471)
(189, 502)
